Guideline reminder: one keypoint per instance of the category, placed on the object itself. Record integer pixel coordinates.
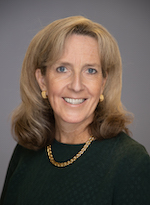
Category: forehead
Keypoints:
(77, 46)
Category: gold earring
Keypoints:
(44, 96)
(101, 98)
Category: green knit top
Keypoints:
(111, 172)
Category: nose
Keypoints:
(76, 82)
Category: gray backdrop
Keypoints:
(127, 20)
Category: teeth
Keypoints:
(74, 101)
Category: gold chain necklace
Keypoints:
(64, 164)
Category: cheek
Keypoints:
(54, 89)
(97, 88)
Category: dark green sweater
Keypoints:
(111, 172)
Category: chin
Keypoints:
(73, 121)
(76, 120)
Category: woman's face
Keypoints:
(75, 82)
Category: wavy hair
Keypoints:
(33, 123)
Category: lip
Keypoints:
(74, 101)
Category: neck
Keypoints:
(71, 133)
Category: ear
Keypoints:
(40, 79)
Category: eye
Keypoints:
(92, 70)
(61, 69)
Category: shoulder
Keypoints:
(124, 145)
(131, 167)
(127, 148)
(19, 152)
(130, 161)
(21, 155)
(122, 151)
(121, 144)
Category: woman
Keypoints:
(71, 128)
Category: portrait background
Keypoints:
(127, 21)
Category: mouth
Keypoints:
(74, 101)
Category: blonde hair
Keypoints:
(33, 123)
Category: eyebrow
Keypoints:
(70, 64)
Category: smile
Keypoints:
(74, 101)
